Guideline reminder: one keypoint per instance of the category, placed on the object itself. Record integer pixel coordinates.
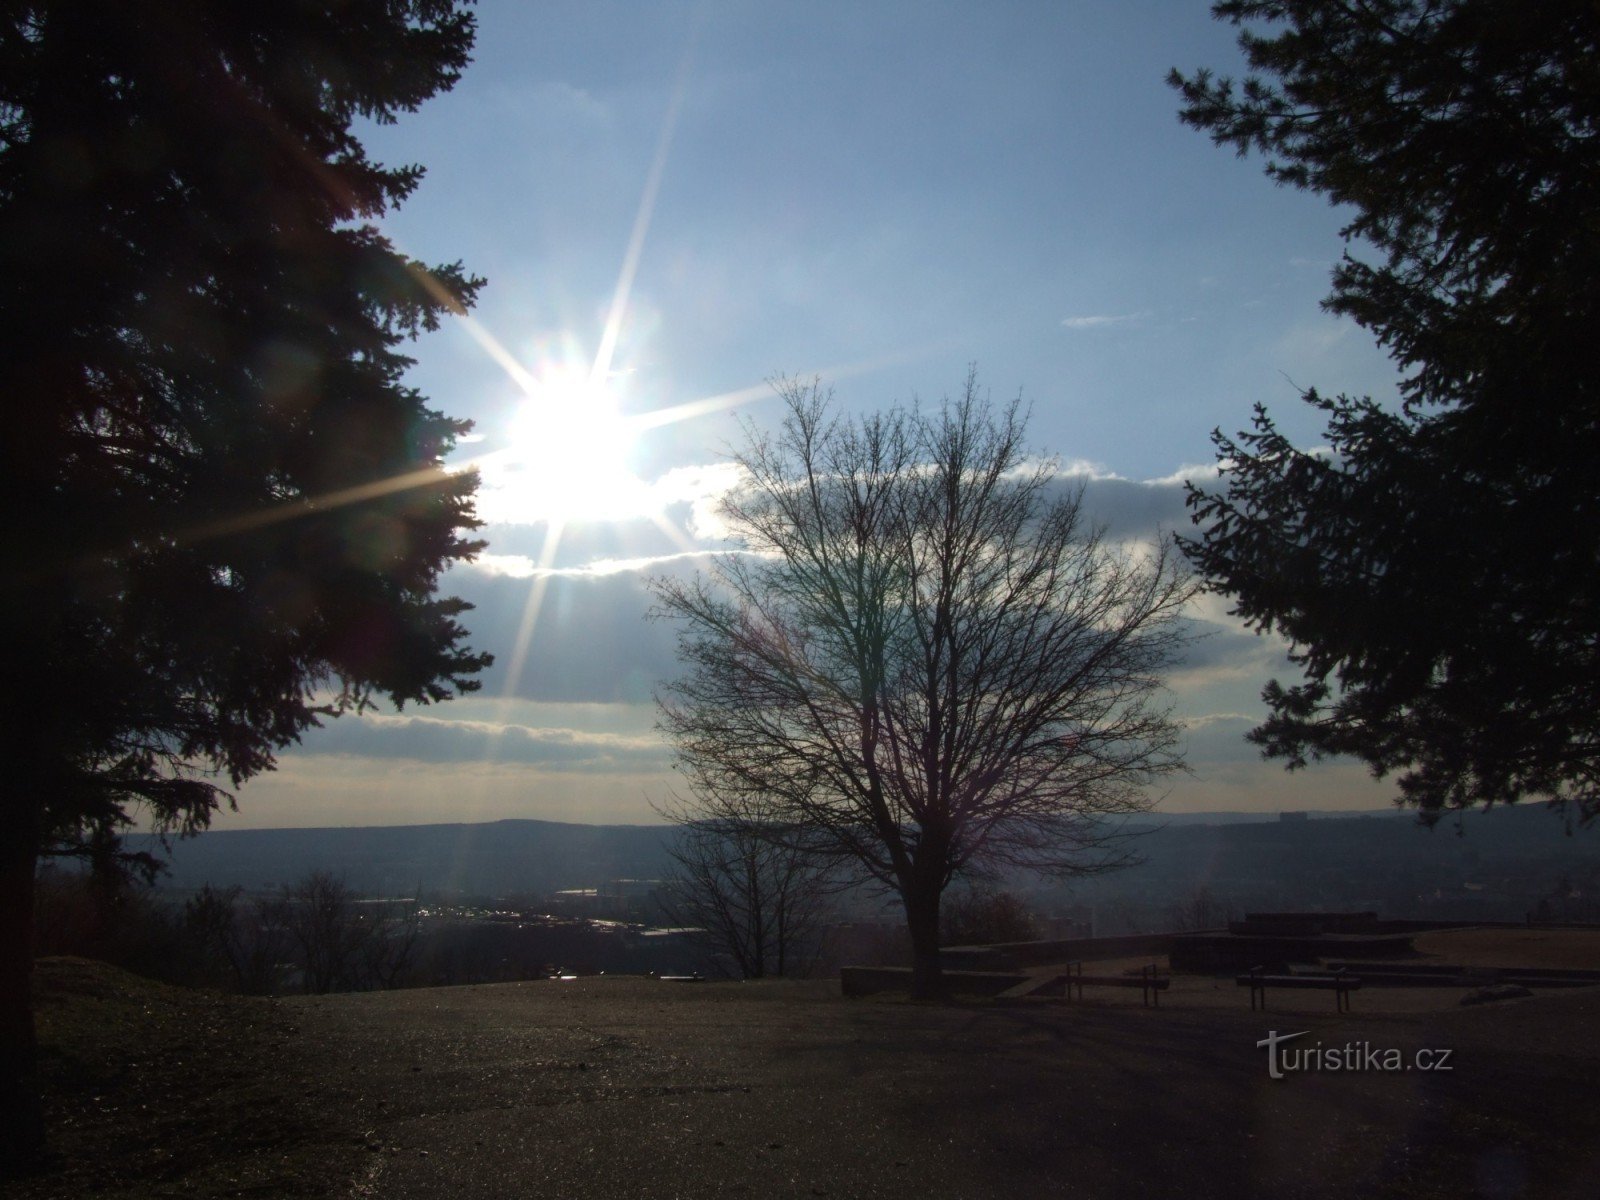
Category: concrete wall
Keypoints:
(1012, 955)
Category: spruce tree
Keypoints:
(1437, 568)
(225, 511)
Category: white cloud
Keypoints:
(1312, 341)
(1206, 720)
(520, 566)
(1188, 473)
(436, 739)
(702, 488)
(1101, 320)
(513, 566)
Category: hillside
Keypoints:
(497, 858)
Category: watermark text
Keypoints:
(1284, 1059)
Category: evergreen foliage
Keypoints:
(1437, 570)
(226, 512)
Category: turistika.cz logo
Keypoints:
(1283, 1060)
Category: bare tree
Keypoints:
(388, 945)
(316, 914)
(1201, 909)
(981, 916)
(344, 943)
(925, 659)
(243, 944)
(759, 899)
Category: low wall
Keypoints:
(1008, 956)
(1235, 952)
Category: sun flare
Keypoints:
(567, 458)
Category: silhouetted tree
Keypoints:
(759, 899)
(340, 942)
(982, 916)
(225, 513)
(1437, 571)
(922, 660)
(213, 939)
(1201, 909)
(255, 942)
(317, 914)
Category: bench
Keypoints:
(1339, 983)
(1150, 982)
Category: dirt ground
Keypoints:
(637, 1088)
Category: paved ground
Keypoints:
(631, 1088)
(636, 1088)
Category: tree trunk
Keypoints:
(922, 919)
(21, 1108)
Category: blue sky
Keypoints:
(709, 195)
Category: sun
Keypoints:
(567, 457)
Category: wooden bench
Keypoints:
(1150, 982)
(1339, 983)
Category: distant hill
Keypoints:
(1365, 859)
(498, 858)
(1167, 820)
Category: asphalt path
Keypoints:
(637, 1088)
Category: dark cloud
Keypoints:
(1213, 645)
(591, 641)
(1129, 508)
(1220, 739)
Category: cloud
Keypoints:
(590, 641)
(518, 566)
(1129, 509)
(1101, 320)
(1189, 473)
(581, 542)
(1215, 742)
(346, 789)
(702, 489)
(439, 740)
(1206, 720)
(1312, 342)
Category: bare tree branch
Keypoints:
(928, 660)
